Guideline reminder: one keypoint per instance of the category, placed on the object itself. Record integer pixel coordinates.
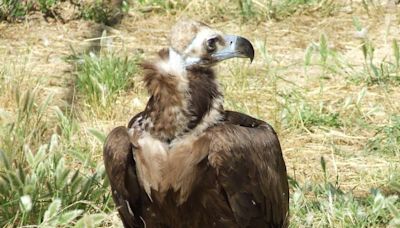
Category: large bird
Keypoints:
(185, 162)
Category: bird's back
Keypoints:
(239, 180)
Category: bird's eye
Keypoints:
(212, 44)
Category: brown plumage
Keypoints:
(185, 161)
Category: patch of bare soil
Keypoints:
(41, 49)
(44, 45)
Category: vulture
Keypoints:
(185, 162)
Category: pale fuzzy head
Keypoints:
(190, 38)
(199, 45)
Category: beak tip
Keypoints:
(248, 49)
(239, 47)
(251, 56)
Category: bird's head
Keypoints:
(198, 45)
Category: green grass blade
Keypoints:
(396, 53)
(100, 136)
(52, 210)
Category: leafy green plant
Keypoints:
(28, 186)
(384, 71)
(297, 112)
(372, 6)
(387, 138)
(280, 10)
(326, 205)
(396, 53)
(33, 174)
(66, 124)
(47, 6)
(10, 9)
(329, 60)
(246, 8)
(97, 11)
(394, 180)
(28, 125)
(166, 6)
(101, 78)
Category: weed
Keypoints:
(280, 10)
(329, 60)
(33, 174)
(396, 53)
(297, 112)
(372, 7)
(13, 9)
(385, 71)
(66, 124)
(326, 205)
(47, 6)
(394, 180)
(51, 172)
(387, 138)
(28, 186)
(29, 124)
(246, 8)
(97, 11)
(322, 49)
(160, 6)
(101, 78)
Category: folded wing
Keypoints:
(247, 157)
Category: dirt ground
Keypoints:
(40, 48)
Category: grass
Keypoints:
(101, 78)
(332, 97)
(31, 188)
(100, 11)
(297, 112)
(38, 183)
(378, 72)
(279, 10)
(387, 138)
(14, 9)
(334, 208)
(325, 204)
(160, 6)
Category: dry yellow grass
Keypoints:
(36, 49)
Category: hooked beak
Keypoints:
(235, 47)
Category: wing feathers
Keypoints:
(120, 167)
(251, 169)
(244, 156)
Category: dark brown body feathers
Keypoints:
(241, 183)
(231, 174)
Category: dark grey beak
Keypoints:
(235, 47)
